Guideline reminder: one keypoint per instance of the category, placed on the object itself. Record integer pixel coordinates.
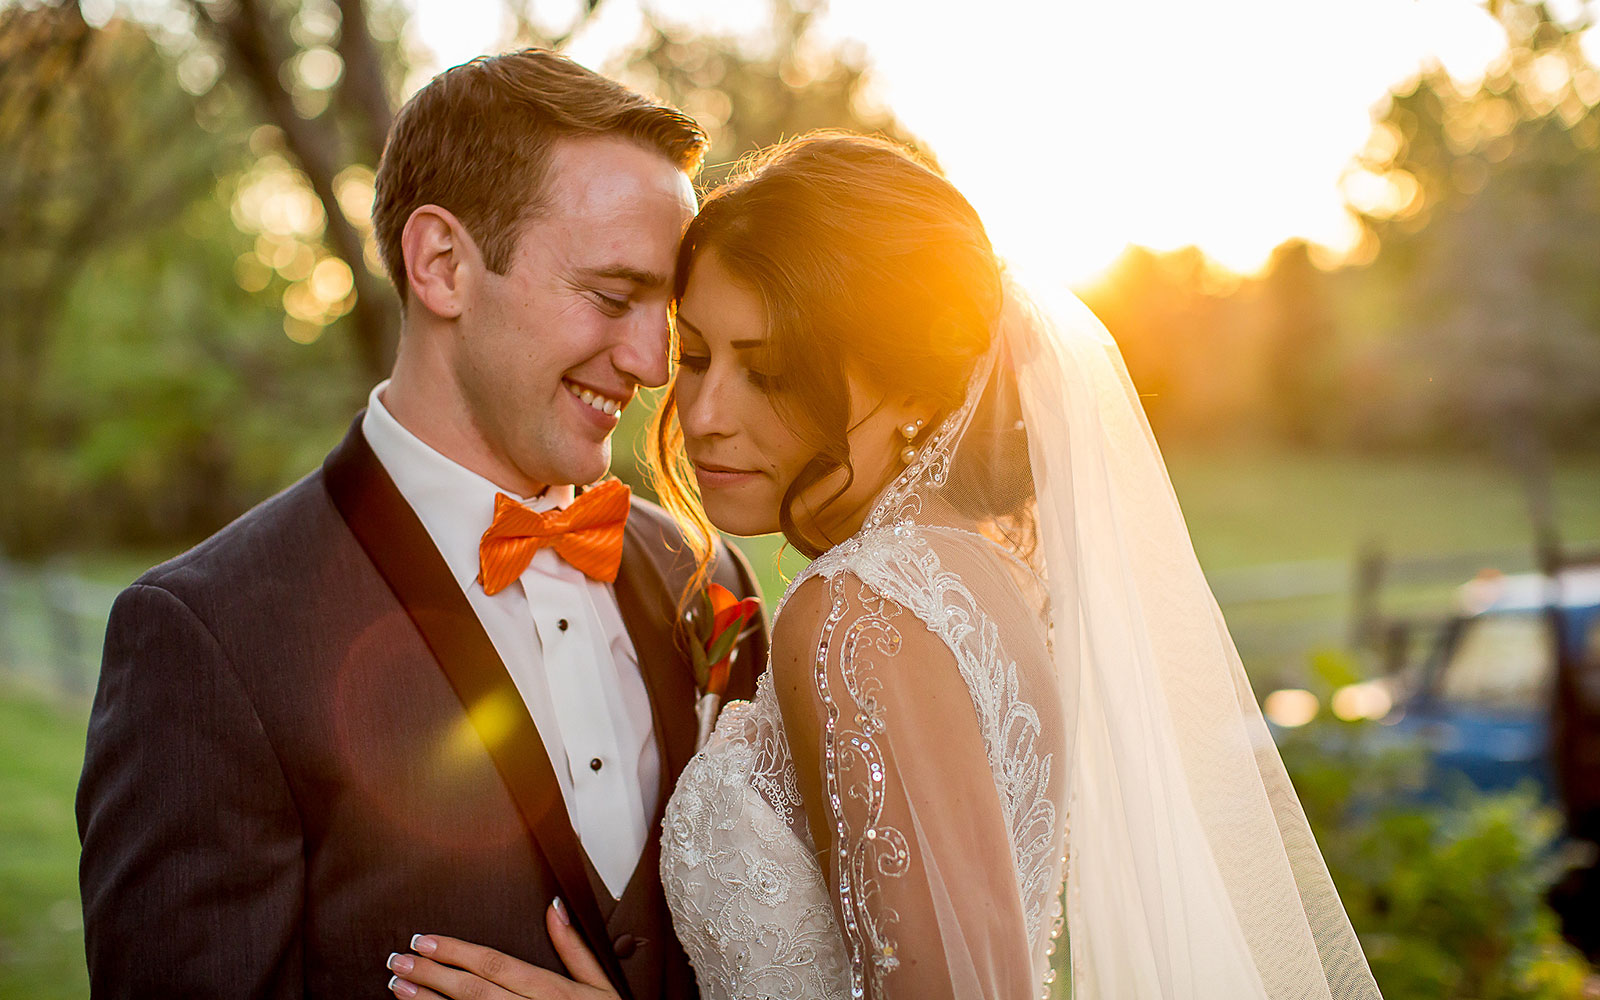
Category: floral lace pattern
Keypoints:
(749, 897)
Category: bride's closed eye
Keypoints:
(699, 363)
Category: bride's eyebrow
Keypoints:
(738, 345)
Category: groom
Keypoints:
(434, 685)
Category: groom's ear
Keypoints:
(439, 254)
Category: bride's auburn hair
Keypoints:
(868, 263)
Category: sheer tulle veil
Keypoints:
(1191, 871)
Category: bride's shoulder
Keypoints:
(826, 616)
(797, 624)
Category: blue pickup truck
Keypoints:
(1484, 700)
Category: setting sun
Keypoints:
(1079, 129)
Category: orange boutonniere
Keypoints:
(717, 621)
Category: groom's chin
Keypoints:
(586, 462)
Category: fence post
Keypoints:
(8, 651)
(1366, 617)
(61, 605)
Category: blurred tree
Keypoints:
(1299, 342)
(325, 74)
(88, 118)
(1189, 334)
(147, 390)
(748, 95)
(182, 350)
(1486, 205)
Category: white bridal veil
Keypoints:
(1192, 872)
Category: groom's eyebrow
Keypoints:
(640, 277)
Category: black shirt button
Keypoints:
(562, 624)
(595, 765)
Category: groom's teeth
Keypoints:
(594, 399)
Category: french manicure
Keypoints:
(422, 944)
(561, 911)
(400, 988)
(401, 963)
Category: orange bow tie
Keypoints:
(586, 533)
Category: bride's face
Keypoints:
(744, 454)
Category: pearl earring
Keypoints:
(909, 431)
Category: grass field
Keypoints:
(41, 931)
(1250, 507)
(1244, 509)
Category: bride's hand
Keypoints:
(444, 967)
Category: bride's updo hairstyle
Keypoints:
(869, 263)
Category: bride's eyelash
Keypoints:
(694, 362)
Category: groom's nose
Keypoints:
(641, 353)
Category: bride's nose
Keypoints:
(706, 407)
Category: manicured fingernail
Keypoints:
(400, 988)
(422, 944)
(561, 911)
(401, 963)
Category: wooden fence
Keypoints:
(52, 621)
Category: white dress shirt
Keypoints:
(561, 638)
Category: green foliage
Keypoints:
(1448, 900)
(158, 397)
(150, 393)
(1489, 240)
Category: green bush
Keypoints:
(1447, 896)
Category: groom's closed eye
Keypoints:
(611, 305)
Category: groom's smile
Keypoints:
(606, 406)
(545, 356)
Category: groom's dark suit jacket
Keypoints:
(305, 749)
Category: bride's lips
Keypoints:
(712, 475)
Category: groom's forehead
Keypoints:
(615, 212)
(608, 174)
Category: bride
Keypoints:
(1001, 675)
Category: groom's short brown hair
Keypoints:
(476, 140)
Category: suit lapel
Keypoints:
(405, 556)
(649, 612)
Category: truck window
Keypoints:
(1502, 660)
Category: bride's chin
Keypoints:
(741, 520)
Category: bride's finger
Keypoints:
(520, 978)
(407, 990)
(579, 960)
(470, 972)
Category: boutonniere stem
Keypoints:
(718, 621)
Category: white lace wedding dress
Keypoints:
(888, 817)
(750, 897)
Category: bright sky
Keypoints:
(1077, 128)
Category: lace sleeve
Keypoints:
(899, 796)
